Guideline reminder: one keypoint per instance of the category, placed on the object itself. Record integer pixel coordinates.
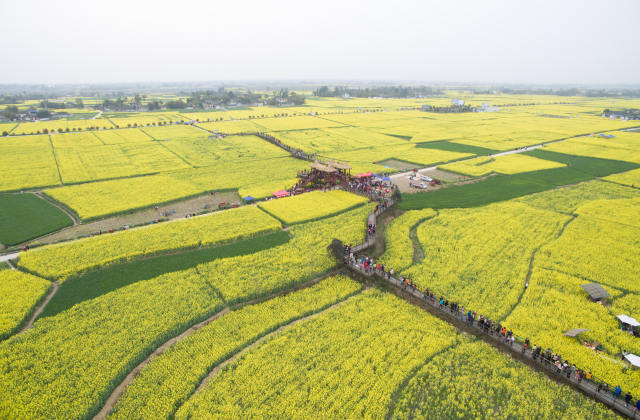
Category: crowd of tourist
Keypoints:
(552, 361)
(374, 188)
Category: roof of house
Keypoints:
(338, 165)
(322, 168)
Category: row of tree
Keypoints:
(381, 91)
(225, 97)
(593, 93)
(205, 99)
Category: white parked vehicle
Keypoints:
(426, 178)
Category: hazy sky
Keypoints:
(557, 41)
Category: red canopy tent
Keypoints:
(364, 175)
(281, 193)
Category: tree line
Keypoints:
(588, 92)
(380, 91)
(206, 99)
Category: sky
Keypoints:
(535, 42)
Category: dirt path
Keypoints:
(55, 159)
(54, 288)
(119, 390)
(256, 343)
(418, 252)
(8, 257)
(520, 150)
(401, 179)
(203, 129)
(173, 211)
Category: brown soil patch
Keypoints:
(443, 175)
(200, 204)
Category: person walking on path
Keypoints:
(627, 399)
(616, 392)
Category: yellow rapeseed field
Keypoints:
(123, 327)
(631, 178)
(171, 378)
(19, 294)
(311, 206)
(98, 199)
(69, 258)
(27, 162)
(505, 164)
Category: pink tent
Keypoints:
(281, 193)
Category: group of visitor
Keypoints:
(371, 230)
(381, 206)
(560, 366)
(375, 189)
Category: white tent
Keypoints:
(633, 359)
(628, 320)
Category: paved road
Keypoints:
(522, 149)
(8, 257)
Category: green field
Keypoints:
(98, 283)
(457, 147)
(505, 187)
(27, 216)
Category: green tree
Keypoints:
(10, 112)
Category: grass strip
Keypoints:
(456, 147)
(506, 187)
(98, 283)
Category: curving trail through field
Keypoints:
(259, 341)
(54, 288)
(117, 393)
(418, 251)
(63, 208)
(531, 265)
(113, 399)
(398, 391)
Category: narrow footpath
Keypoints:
(52, 291)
